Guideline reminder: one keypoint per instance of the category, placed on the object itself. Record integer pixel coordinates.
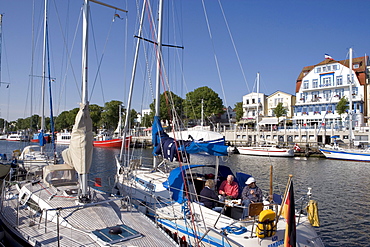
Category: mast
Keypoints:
(41, 141)
(258, 105)
(84, 98)
(159, 62)
(133, 74)
(350, 99)
(202, 112)
(1, 41)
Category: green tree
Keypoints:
(110, 114)
(170, 104)
(95, 114)
(239, 111)
(133, 117)
(342, 106)
(279, 111)
(146, 120)
(212, 103)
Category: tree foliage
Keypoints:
(279, 110)
(239, 111)
(170, 104)
(95, 114)
(110, 114)
(212, 103)
(342, 106)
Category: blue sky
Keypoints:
(275, 38)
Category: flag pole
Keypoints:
(285, 195)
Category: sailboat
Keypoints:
(33, 157)
(265, 149)
(106, 140)
(60, 209)
(336, 152)
(200, 133)
(169, 190)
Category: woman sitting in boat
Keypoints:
(229, 189)
(251, 194)
(208, 196)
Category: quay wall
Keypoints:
(310, 137)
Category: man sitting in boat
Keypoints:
(208, 196)
(251, 194)
(229, 189)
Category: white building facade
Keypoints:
(286, 99)
(319, 88)
(253, 105)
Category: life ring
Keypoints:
(266, 224)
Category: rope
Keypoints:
(234, 229)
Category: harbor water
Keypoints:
(341, 188)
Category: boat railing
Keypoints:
(222, 235)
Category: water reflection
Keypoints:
(340, 187)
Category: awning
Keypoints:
(271, 120)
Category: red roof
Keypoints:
(360, 71)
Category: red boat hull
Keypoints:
(114, 143)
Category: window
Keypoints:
(277, 101)
(318, 70)
(304, 97)
(339, 80)
(323, 108)
(324, 69)
(329, 67)
(327, 94)
(253, 101)
(305, 84)
(247, 101)
(356, 66)
(326, 81)
(310, 108)
(339, 93)
(354, 91)
(315, 83)
(335, 67)
(348, 79)
(315, 96)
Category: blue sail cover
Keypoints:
(170, 148)
(42, 140)
(175, 182)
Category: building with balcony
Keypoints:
(286, 99)
(320, 87)
(253, 106)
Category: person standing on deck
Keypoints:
(229, 188)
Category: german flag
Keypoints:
(289, 215)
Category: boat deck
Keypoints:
(87, 225)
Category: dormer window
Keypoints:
(318, 70)
(356, 65)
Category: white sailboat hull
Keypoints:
(346, 154)
(266, 151)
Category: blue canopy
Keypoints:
(179, 150)
(175, 181)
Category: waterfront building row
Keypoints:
(319, 88)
